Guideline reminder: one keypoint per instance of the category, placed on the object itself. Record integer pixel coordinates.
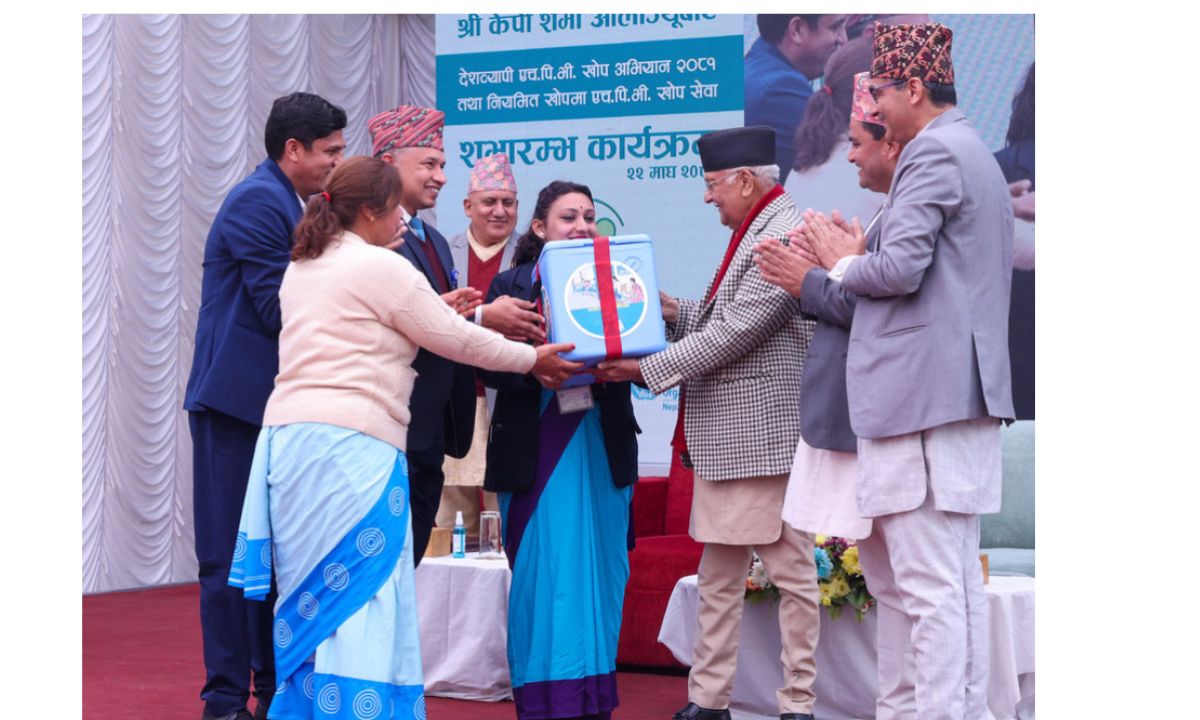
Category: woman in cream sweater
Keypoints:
(329, 485)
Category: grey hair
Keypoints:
(766, 172)
(770, 172)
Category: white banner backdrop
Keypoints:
(173, 114)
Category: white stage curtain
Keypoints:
(173, 114)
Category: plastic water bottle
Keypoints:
(458, 537)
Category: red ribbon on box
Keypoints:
(608, 299)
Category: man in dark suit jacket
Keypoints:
(233, 371)
(443, 397)
(825, 411)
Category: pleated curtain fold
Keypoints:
(173, 115)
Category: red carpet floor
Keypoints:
(142, 659)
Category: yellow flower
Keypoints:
(820, 539)
(826, 598)
(850, 561)
(838, 587)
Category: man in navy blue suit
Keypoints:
(443, 397)
(233, 372)
(779, 69)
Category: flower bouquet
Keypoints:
(842, 583)
(840, 578)
(758, 586)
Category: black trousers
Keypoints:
(237, 632)
(425, 479)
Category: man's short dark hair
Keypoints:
(941, 94)
(772, 27)
(303, 116)
(875, 130)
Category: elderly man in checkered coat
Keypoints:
(738, 355)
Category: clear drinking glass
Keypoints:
(490, 543)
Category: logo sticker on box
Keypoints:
(581, 298)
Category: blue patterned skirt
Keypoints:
(333, 505)
(566, 541)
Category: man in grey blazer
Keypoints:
(927, 372)
(738, 356)
(828, 441)
(484, 249)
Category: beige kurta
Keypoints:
(821, 494)
(469, 470)
(464, 477)
(747, 511)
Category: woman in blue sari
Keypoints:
(565, 479)
(327, 501)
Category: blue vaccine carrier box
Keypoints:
(572, 304)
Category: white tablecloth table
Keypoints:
(846, 684)
(462, 605)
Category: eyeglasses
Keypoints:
(709, 185)
(874, 89)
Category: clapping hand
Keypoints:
(832, 239)
(514, 318)
(398, 238)
(785, 265)
(1022, 199)
(463, 300)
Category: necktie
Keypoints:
(418, 227)
(439, 279)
